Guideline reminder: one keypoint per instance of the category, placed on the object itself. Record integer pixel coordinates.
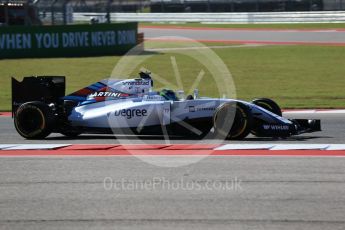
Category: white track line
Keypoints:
(336, 147)
(3, 146)
(315, 114)
(315, 111)
(300, 147)
(267, 146)
(272, 146)
(36, 146)
(245, 146)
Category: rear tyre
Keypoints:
(269, 105)
(34, 120)
(232, 121)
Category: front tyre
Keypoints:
(269, 105)
(34, 120)
(232, 121)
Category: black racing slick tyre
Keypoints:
(269, 105)
(34, 120)
(232, 121)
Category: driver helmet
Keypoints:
(169, 94)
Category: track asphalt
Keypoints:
(250, 36)
(216, 193)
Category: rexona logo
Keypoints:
(129, 113)
(276, 127)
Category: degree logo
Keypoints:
(129, 113)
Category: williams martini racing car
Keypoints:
(40, 107)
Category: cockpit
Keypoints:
(168, 95)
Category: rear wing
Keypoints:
(48, 89)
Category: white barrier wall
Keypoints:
(247, 18)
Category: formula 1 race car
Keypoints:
(40, 107)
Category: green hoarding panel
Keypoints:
(67, 41)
